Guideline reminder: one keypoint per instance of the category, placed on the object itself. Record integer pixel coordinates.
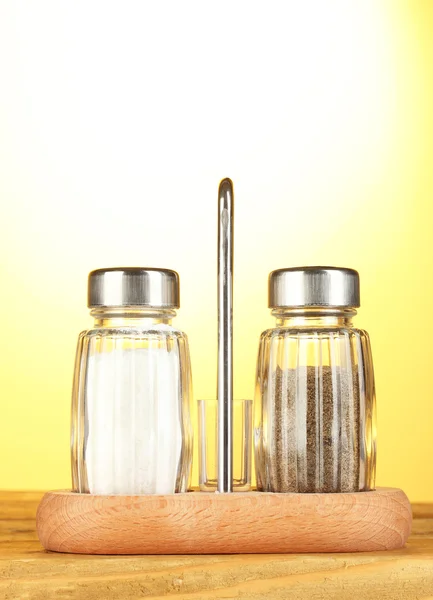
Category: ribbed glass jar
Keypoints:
(315, 428)
(131, 420)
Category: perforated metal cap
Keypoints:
(133, 286)
(314, 286)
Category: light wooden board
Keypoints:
(209, 523)
(28, 572)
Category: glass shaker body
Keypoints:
(315, 428)
(131, 427)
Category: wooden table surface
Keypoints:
(27, 571)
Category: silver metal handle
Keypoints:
(225, 336)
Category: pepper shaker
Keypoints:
(315, 427)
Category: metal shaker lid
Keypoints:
(314, 286)
(133, 286)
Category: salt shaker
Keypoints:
(131, 426)
(315, 427)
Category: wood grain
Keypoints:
(209, 523)
(27, 571)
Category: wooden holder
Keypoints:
(209, 523)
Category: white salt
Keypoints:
(133, 431)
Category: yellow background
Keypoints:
(117, 121)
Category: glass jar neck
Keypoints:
(134, 316)
(314, 316)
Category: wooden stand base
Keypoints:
(209, 523)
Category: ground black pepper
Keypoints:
(314, 430)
